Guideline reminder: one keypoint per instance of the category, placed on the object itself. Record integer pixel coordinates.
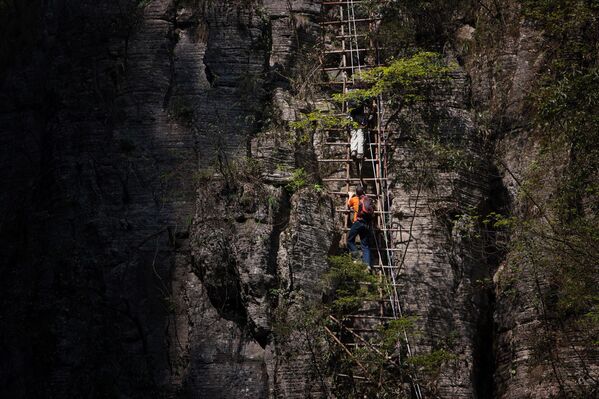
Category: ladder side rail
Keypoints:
(390, 255)
(351, 50)
(347, 15)
(378, 247)
(346, 218)
(383, 138)
(355, 38)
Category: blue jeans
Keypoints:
(360, 228)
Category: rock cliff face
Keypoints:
(535, 358)
(444, 265)
(109, 125)
(148, 238)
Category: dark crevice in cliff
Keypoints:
(484, 350)
(209, 75)
(172, 36)
(224, 292)
(484, 355)
(217, 267)
(280, 222)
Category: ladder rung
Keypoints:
(345, 193)
(350, 21)
(346, 68)
(364, 330)
(350, 50)
(377, 229)
(395, 249)
(367, 316)
(378, 300)
(383, 249)
(342, 3)
(331, 179)
(338, 129)
(359, 344)
(390, 284)
(357, 377)
(348, 83)
(345, 144)
(348, 160)
(339, 114)
(351, 36)
(342, 210)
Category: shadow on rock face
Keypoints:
(234, 246)
(215, 265)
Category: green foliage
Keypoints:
(247, 169)
(143, 3)
(351, 284)
(299, 180)
(381, 357)
(589, 323)
(393, 332)
(429, 156)
(415, 24)
(560, 16)
(203, 176)
(407, 84)
(405, 80)
(498, 221)
(274, 204)
(568, 117)
(431, 364)
(274, 293)
(318, 120)
(557, 237)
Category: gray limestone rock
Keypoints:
(143, 254)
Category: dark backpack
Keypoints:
(366, 208)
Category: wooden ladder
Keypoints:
(354, 50)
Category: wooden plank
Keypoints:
(347, 68)
(348, 51)
(352, 179)
(345, 193)
(345, 143)
(377, 212)
(337, 129)
(357, 20)
(342, 160)
(343, 36)
(344, 3)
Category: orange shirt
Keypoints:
(354, 203)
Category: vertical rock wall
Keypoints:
(443, 264)
(507, 58)
(109, 124)
(445, 272)
(142, 255)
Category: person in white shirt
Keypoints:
(357, 139)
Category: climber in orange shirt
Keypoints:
(360, 225)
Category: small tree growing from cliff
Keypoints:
(379, 365)
(404, 82)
